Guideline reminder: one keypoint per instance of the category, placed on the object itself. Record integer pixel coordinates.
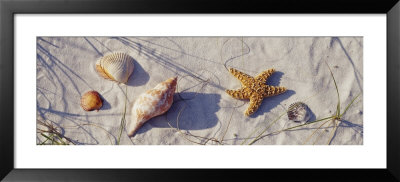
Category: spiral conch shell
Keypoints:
(116, 66)
(152, 103)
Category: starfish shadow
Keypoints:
(275, 78)
(271, 102)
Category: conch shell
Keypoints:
(116, 66)
(152, 103)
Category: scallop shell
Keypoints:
(116, 66)
(299, 112)
(91, 101)
(152, 103)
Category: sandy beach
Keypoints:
(202, 112)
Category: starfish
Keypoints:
(254, 88)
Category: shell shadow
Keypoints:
(196, 111)
(139, 75)
(313, 117)
(106, 104)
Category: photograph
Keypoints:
(199, 90)
(157, 90)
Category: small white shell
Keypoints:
(152, 103)
(116, 66)
(299, 112)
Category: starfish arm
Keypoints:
(255, 102)
(272, 91)
(242, 93)
(262, 77)
(244, 78)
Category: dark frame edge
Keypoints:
(7, 90)
(7, 11)
(393, 101)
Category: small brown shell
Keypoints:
(91, 101)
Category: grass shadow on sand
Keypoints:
(168, 61)
(181, 52)
(94, 47)
(155, 55)
(357, 128)
(357, 73)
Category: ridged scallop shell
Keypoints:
(152, 103)
(116, 66)
(91, 101)
(299, 112)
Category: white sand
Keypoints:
(65, 71)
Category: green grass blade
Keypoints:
(309, 137)
(337, 90)
(51, 139)
(122, 125)
(46, 139)
(256, 130)
(333, 132)
(61, 140)
(266, 128)
(287, 129)
(319, 136)
(348, 106)
(249, 136)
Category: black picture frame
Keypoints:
(9, 8)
